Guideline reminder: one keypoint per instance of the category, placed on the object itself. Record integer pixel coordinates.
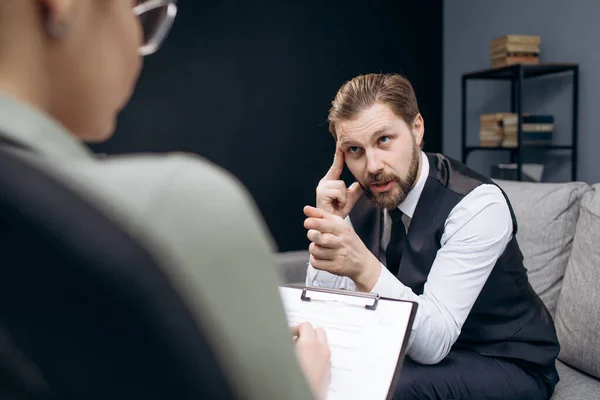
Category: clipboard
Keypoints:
(343, 305)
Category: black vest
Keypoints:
(508, 319)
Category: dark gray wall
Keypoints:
(248, 83)
(570, 31)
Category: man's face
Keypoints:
(383, 153)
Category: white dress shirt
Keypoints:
(476, 233)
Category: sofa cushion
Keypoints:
(546, 217)
(578, 309)
(575, 385)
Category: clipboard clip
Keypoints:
(372, 296)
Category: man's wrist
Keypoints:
(369, 275)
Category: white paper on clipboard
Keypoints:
(367, 336)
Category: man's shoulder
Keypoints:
(485, 207)
(485, 194)
(454, 175)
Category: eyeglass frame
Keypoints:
(163, 30)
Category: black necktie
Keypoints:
(393, 253)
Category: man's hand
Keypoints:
(332, 194)
(337, 249)
(314, 357)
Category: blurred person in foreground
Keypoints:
(67, 67)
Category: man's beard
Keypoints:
(395, 196)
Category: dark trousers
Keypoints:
(464, 374)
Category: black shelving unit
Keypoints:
(516, 74)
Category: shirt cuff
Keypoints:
(388, 285)
(318, 278)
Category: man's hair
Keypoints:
(365, 91)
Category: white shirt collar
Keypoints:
(409, 204)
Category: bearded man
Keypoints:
(426, 228)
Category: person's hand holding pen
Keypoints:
(314, 357)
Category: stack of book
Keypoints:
(491, 128)
(536, 130)
(500, 130)
(515, 49)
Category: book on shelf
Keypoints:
(524, 142)
(515, 49)
(493, 117)
(516, 39)
(500, 130)
(506, 61)
(527, 118)
(529, 128)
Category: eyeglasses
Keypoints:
(156, 17)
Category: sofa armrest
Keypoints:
(292, 265)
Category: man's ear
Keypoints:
(418, 129)
(59, 16)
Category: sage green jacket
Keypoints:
(204, 229)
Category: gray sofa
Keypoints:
(559, 235)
